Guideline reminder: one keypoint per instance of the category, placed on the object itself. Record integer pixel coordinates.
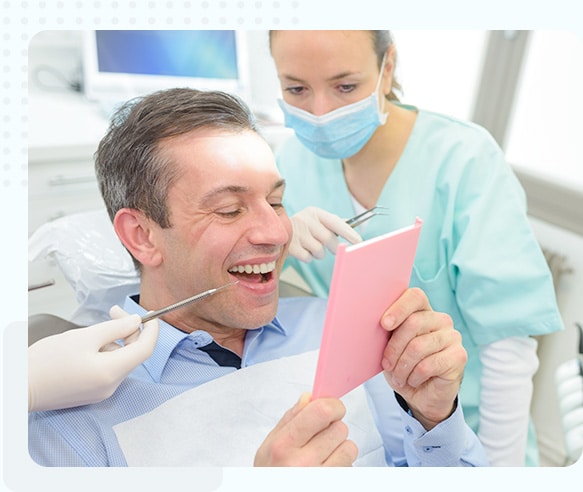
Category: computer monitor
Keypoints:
(119, 65)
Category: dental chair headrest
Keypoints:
(92, 259)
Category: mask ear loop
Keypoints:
(383, 62)
(376, 91)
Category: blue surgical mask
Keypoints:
(340, 133)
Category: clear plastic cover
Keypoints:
(92, 259)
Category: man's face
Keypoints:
(228, 223)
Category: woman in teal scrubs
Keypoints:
(356, 146)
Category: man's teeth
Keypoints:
(262, 268)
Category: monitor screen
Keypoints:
(119, 65)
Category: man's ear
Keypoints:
(134, 230)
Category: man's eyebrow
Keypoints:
(223, 190)
(236, 189)
(278, 184)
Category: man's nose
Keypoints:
(270, 227)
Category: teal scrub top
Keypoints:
(477, 258)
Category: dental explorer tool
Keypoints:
(159, 312)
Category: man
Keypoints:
(195, 196)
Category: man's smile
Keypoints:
(256, 273)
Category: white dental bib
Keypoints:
(223, 422)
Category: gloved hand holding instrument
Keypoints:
(315, 230)
(86, 365)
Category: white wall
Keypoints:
(544, 133)
(54, 58)
(264, 83)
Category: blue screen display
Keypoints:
(199, 54)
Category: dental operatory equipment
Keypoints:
(159, 312)
(366, 215)
(569, 382)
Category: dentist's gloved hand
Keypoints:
(314, 230)
(85, 365)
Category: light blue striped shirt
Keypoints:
(84, 436)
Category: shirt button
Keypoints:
(428, 449)
(408, 430)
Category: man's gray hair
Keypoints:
(131, 170)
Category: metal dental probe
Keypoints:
(159, 312)
(366, 215)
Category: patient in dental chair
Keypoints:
(195, 197)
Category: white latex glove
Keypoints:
(85, 365)
(314, 230)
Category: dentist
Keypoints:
(355, 147)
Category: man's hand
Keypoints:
(309, 434)
(424, 359)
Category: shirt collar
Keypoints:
(170, 337)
